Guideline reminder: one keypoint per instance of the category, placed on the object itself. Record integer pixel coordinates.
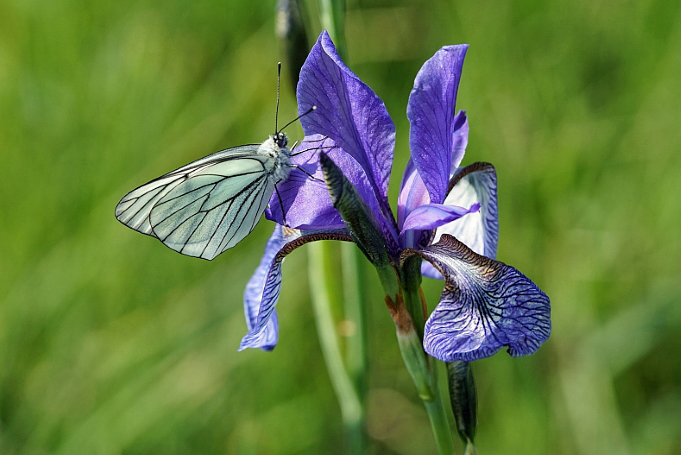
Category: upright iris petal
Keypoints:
(348, 112)
(351, 125)
(435, 146)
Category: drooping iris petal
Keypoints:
(254, 292)
(485, 306)
(349, 113)
(260, 315)
(432, 216)
(305, 199)
(437, 137)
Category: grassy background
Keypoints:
(112, 344)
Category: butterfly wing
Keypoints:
(203, 208)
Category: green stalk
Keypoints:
(326, 294)
(332, 17)
(440, 425)
(423, 371)
(355, 316)
(423, 368)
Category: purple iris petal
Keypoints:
(485, 306)
(254, 292)
(432, 216)
(306, 201)
(413, 193)
(435, 145)
(349, 113)
(260, 314)
(473, 184)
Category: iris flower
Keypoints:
(446, 215)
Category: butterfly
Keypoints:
(211, 204)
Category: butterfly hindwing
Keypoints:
(214, 209)
(133, 210)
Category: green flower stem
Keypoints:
(423, 370)
(326, 294)
(440, 425)
(407, 311)
(332, 17)
(356, 335)
(355, 316)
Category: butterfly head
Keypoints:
(281, 139)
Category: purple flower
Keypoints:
(446, 214)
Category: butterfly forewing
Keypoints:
(205, 214)
(205, 207)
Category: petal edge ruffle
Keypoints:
(485, 306)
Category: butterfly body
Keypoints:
(276, 148)
(208, 206)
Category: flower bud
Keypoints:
(290, 29)
(360, 222)
(357, 216)
(464, 401)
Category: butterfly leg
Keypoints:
(281, 203)
(328, 147)
(301, 169)
(319, 140)
(307, 142)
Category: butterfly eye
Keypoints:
(281, 139)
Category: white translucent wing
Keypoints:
(203, 208)
(214, 209)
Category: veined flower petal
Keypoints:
(260, 309)
(306, 202)
(437, 137)
(254, 292)
(413, 193)
(485, 306)
(432, 216)
(474, 184)
(349, 113)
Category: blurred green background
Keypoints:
(110, 343)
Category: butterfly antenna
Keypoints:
(276, 112)
(313, 108)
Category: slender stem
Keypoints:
(422, 367)
(355, 317)
(440, 424)
(326, 295)
(332, 16)
(423, 371)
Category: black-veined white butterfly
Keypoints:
(210, 205)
